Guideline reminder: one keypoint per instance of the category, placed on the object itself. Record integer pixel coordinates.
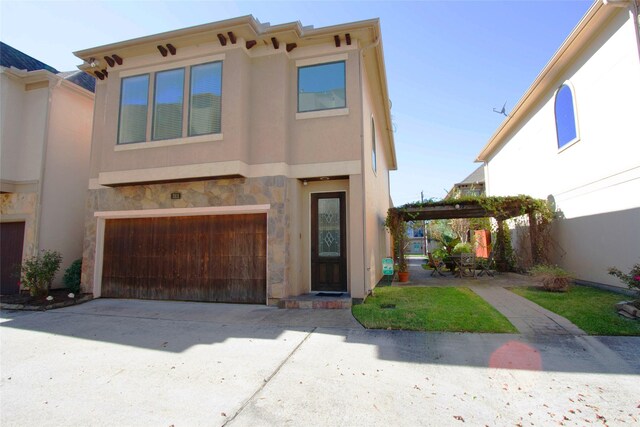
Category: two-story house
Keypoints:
(239, 162)
(573, 139)
(45, 138)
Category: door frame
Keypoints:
(103, 216)
(346, 242)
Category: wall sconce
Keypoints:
(92, 62)
(304, 183)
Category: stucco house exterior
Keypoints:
(239, 161)
(45, 138)
(573, 139)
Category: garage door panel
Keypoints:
(204, 258)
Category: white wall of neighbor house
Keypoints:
(66, 173)
(595, 181)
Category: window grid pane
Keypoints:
(321, 87)
(134, 100)
(167, 114)
(205, 99)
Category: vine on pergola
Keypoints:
(500, 208)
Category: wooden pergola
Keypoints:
(499, 208)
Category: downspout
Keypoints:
(634, 11)
(43, 162)
(366, 271)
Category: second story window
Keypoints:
(134, 100)
(205, 99)
(566, 124)
(202, 91)
(167, 108)
(321, 87)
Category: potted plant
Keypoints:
(403, 270)
(553, 278)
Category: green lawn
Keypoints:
(590, 309)
(430, 309)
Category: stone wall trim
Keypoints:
(211, 210)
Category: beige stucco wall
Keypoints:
(259, 121)
(45, 120)
(66, 173)
(376, 184)
(594, 182)
(23, 116)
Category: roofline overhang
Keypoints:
(581, 35)
(36, 76)
(259, 30)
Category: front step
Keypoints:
(342, 301)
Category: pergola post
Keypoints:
(501, 262)
(533, 238)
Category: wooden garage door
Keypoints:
(218, 258)
(11, 239)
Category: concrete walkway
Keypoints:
(529, 318)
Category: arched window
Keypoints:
(566, 124)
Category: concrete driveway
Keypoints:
(121, 362)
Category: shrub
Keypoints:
(462, 248)
(72, 275)
(553, 278)
(632, 279)
(39, 270)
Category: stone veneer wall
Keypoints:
(223, 192)
(22, 207)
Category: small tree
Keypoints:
(38, 271)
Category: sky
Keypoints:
(449, 63)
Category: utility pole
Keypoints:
(424, 228)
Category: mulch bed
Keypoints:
(24, 301)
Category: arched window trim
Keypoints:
(572, 90)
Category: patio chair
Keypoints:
(437, 265)
(486, 265)
(468, 265)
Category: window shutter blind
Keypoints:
(167, 114)
(133, 109)
(205, 99)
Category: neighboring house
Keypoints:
(45, 141)
(473, 185)
(239, 162)
(573, 139)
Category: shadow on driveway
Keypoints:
(179, 326)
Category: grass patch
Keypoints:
(430, 309)
(590, 309)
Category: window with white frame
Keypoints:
(200, 84)
(565, 114)
(321, 87)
